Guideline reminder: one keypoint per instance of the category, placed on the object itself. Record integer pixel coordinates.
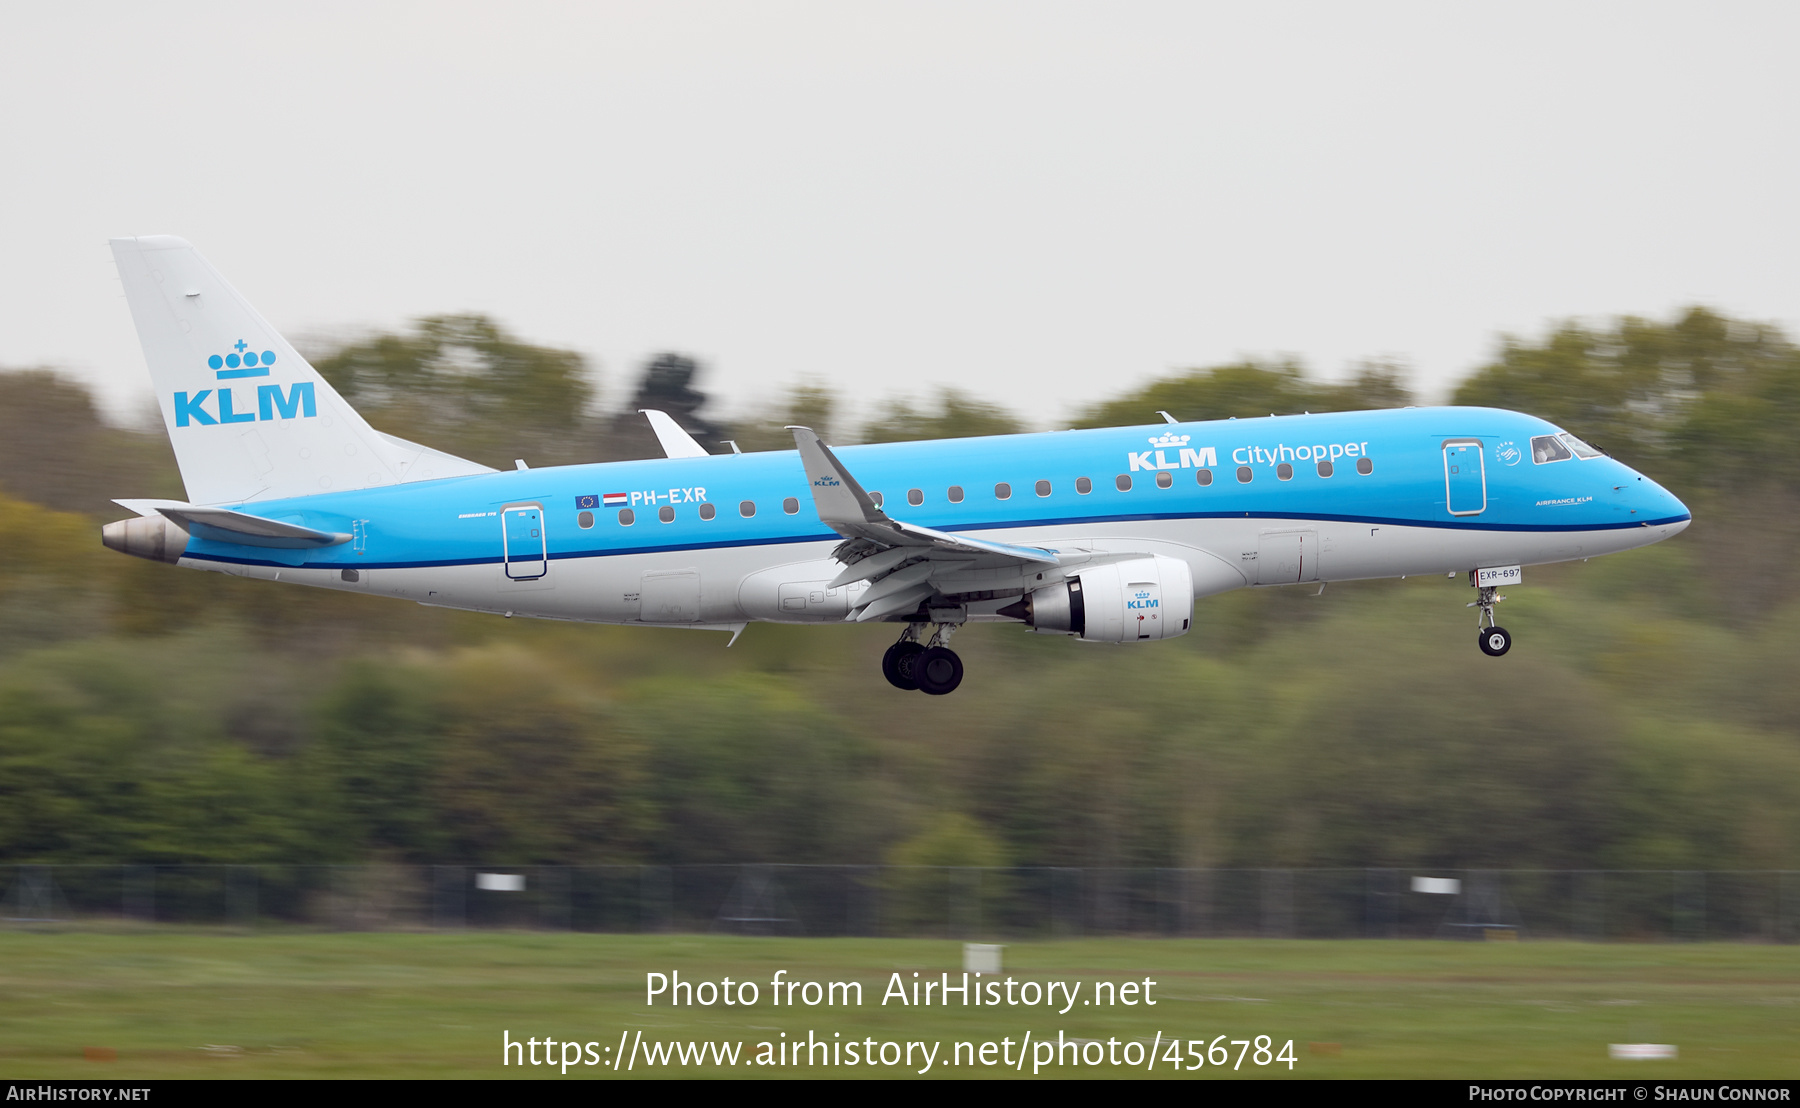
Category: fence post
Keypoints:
(240, 896)
(1687, 919)
(139, 893)
(655, 898)
(1381, 903)
(449, 897)
(1278, 903)
(553, 908)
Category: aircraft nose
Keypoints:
(1658, 506)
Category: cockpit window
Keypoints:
(1581, 449)
(1548, 448)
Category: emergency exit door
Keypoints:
(525, 549)
(1465, 477)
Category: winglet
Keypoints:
(836, 494)
(675, 442)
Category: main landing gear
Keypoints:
(930, 667)
(1493, 639)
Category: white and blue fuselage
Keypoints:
(1400, 492)
(1107, 535)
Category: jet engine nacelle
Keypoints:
(150, 537)
(1136, 601)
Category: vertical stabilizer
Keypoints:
(248, 417)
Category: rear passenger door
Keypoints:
(525, 549)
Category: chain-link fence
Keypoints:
(945, 902)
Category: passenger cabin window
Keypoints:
(1244, 475)
(1548, 448)
(876, 497)
(585, 519)
(1284, 471)
(746, 508)
(1325, 467)
(1164, 479)
(1204, 476)
(1003, 491)
(1083, 485)
(1364, 466)
(666, 514)
(1123, 481)
(956, 494)
(707, 511)
(1043, 488)
(627, 517)
(1581, 449)
(790, 506)
(915, 497)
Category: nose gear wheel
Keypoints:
(1493, 639)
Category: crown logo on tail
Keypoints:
(242, 362)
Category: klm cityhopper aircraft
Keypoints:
(1102, 535)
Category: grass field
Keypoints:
(197, 1003)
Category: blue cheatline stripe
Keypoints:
(787, 540)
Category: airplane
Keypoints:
(1104, 535)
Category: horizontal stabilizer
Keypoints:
(225, 525)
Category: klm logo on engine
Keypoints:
(1169, 441)
(1140, 600)
(297, 401)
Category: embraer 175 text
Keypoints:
(1104, 535)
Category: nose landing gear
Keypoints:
(930, 667)
(1493, 639)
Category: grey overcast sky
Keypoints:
(1043, 203)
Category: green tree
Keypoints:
(806, 404)
(531, 770)
(464, 384)
(954, 415)
(372, 764)
(1248, 389)
(55, 450)
(747, 769)
(935, 867)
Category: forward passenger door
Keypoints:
(1465, 477)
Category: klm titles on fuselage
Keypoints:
(298, 401)
(1205, 457)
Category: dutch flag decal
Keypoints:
(617, 499)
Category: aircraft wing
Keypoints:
(225, 525)
(902, 559)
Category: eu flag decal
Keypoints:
(588, 501)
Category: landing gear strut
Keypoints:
(1493, 639)
(929, 666)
